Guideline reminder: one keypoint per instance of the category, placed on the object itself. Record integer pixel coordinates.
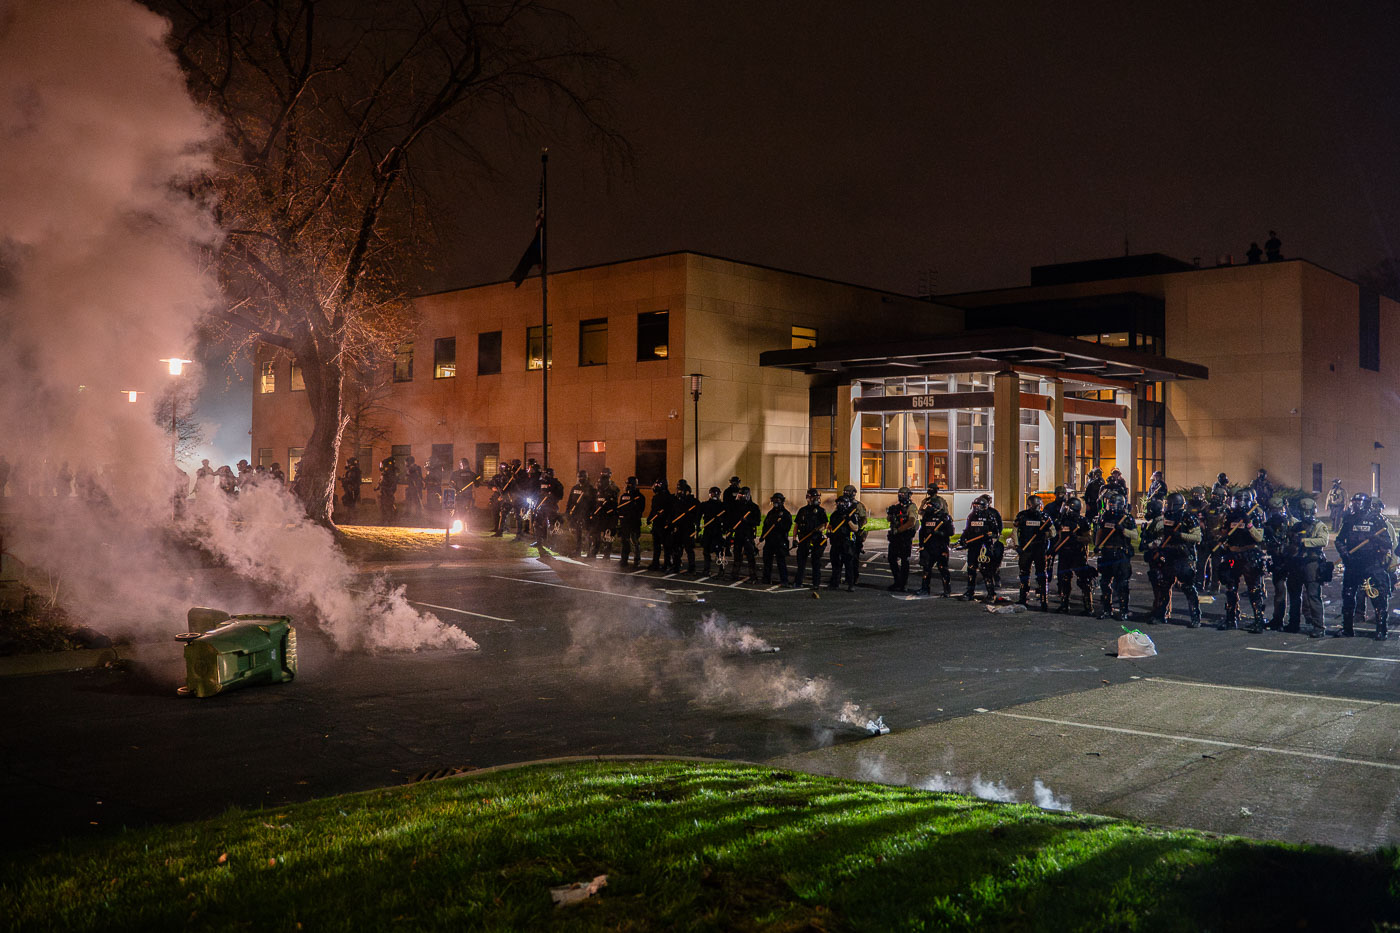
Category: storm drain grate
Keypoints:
(437, 774)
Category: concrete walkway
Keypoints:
(1254, 762)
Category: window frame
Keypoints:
(440, 358)
(534, 333)
(647, 347)
(600, 326)
(403, 362)
(484, 352)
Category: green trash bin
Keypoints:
(242, 651)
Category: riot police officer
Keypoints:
(982, 538)
(662, 504)
(578, 511)
(1093, 492)
(904, 521)
(1278, 550)
(1307, 538)
(549, 493)
(602, 524)
(1073, 537)
(777, 526)
(685, 518)
(844, 527)
(1241, 536)
(1170, 542)
(809, 527)
(1364, 545)
(742, 533)
(630, 506)
(1033, 534)
(1115, 538)
(712, 538)
(935, 531)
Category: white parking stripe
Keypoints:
(1325, 654)
(1286, 693)
(464, 612)
(562, 586)
(1294, 753)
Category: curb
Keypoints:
(81, 659)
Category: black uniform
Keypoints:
(935, 531)
(387, 488)
(578, 511)
(1034, 532)
(777, 526)
(712, 538)
(843, 533)
(1307, 538)
(630, 506)
(602, 524)
(1074, 535)
(1280, 553)
(1115, 536)
(1242, 558)
(744, 519)
(982, 538)
(1170, 545)
(904, 522)
(549, 493)
(684, 520)
(1364, 544)
(350, 483)
(662, 505)
(810, 531)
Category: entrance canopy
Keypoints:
(1010, 348)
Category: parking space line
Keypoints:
(465, 612)
(1325, 654)
(584, 589)
(1287, 693)
(1290, 752)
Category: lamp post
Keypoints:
(695, 381)
(177, 368)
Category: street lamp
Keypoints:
(695, 381)
(177, 368)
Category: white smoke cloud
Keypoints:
(104, 271)
(877, 769)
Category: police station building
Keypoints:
(1138, 363)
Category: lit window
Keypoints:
(803, 337)
(445, 358)
(267, 380)
(293, 462)
(265, 457)
(653, 334)
(539, 348)
(298, 379)
(403, 362)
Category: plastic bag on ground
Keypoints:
(1135, 644)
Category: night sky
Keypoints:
(881, 142)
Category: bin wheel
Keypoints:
(189, 636)
(184, 691)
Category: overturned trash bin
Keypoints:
(238, 651)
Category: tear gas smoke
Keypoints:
(647, 648)
(104, 271)
(877, 768)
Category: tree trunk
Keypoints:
(316, 476)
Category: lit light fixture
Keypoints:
(131, 395)
(456, 526)
(177, 365)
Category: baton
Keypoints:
(1366, 541)
(1116, 525)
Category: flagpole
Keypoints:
(545, 343)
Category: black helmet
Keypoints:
(1115, 502)
(1060, 491)
(682, 486)
(932, 488)
(658, 485)
(1263, 472)
(714, 490)
(813, 494)
(1239, 499)
(1222, 478)
(905, 493)
(848, 490)
(1176, 503)
(777, 497)
(1073, 505)
(605, 471)
(1152, 509)
(733, 480)
(1198, 492)
(631, 481)
(583, 474)
(745, 491)
(1033, 501)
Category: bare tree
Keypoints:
(332, 109)
(179, 401)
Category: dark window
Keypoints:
(401, 453)
(822, 443)
(298, 380)
(488, 353)
(442, 456)
(534, 450)
(653, 329)
(444, 357)
(651, 462)
(539, 347)
(403, 363)
(488, 457)
(1369, 313)
(1317, 478)
(265, 457)
(593, 456)
(593, 342)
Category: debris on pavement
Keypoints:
(1134, 643)
(1005, 608)
(577, 892)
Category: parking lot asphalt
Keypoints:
(586, 657)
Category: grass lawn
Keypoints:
(685, 846)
